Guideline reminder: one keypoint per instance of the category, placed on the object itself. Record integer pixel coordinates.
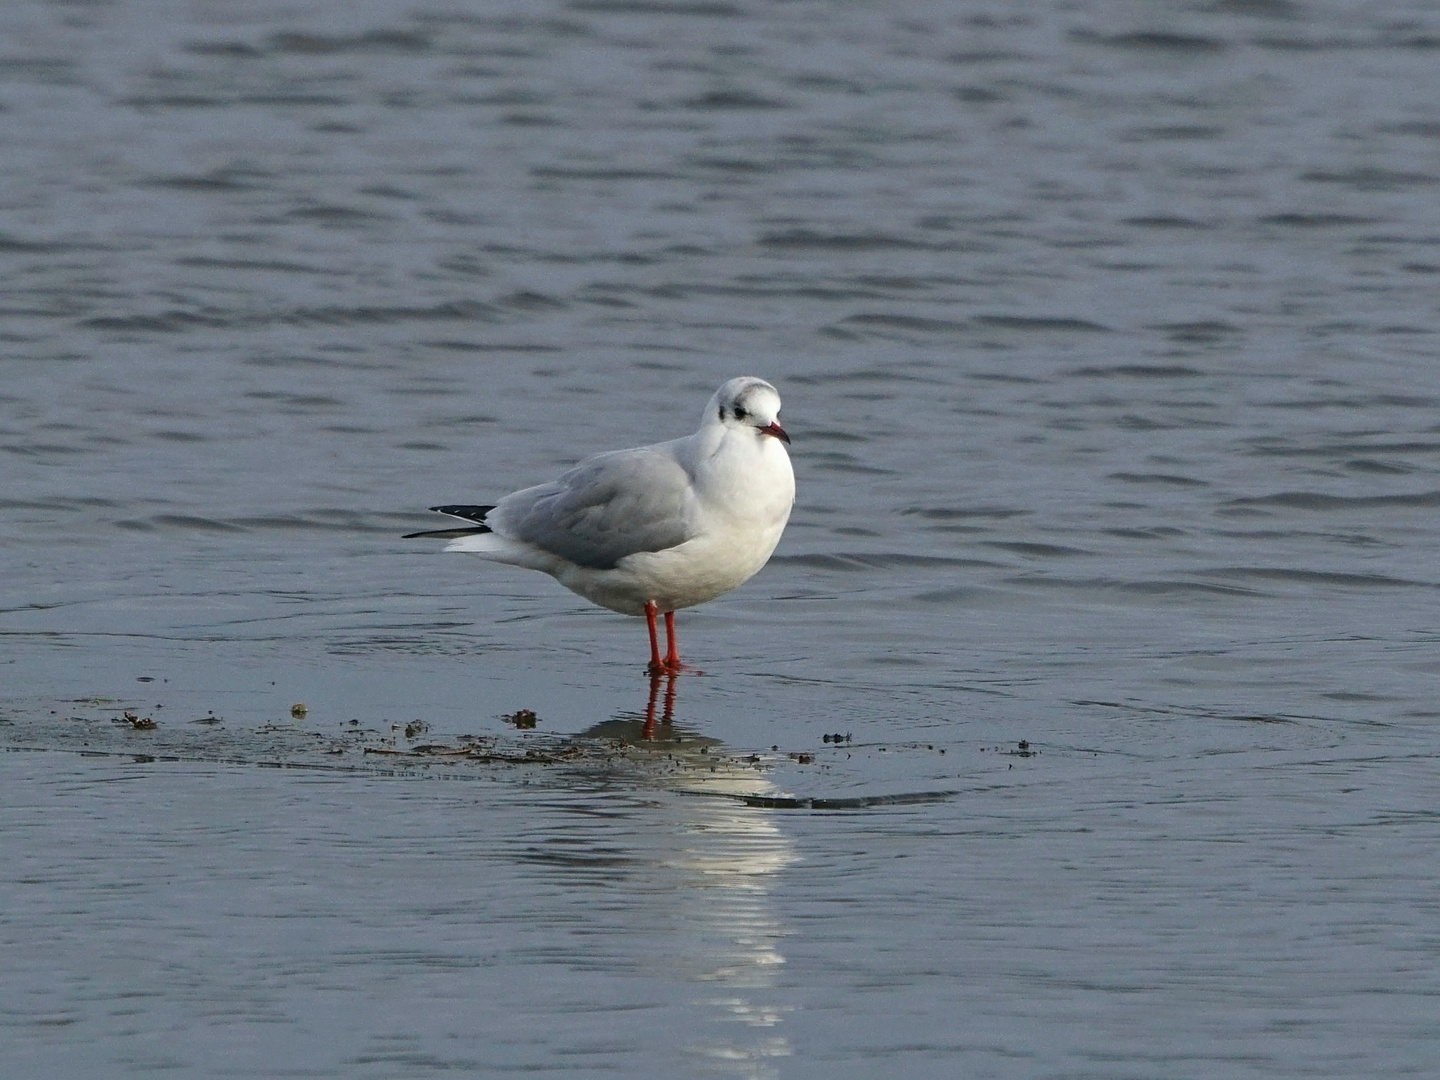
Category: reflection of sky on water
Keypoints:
(716, 863)
(731, 854)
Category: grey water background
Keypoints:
(1107, 338)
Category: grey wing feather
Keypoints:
(607, 507)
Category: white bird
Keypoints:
(657, 528)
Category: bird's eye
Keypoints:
(740, 413)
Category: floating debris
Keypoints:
(416, 727)
(523, 719)
(299, 710)
(1022, 749)
(492, 755)
(611, 751)
(838, 738)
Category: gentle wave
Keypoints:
(178, 321)
(347, 521)
(1314, 500)
(1162, 479)
(877, 561)
(1317, 577)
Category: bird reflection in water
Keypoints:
(647, 731)
(650, 727)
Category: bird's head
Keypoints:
(748, 404)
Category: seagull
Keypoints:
(650, 530)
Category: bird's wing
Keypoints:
(607, 507)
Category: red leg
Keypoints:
(672, 644)
(656, 665)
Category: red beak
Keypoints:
(777, 431)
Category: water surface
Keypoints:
(1106, 334)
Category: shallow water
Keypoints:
(1107, 337)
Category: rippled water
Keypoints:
(1107, 338)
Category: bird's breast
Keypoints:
(750, 486)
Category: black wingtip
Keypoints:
(447, 534)
(465, 512)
